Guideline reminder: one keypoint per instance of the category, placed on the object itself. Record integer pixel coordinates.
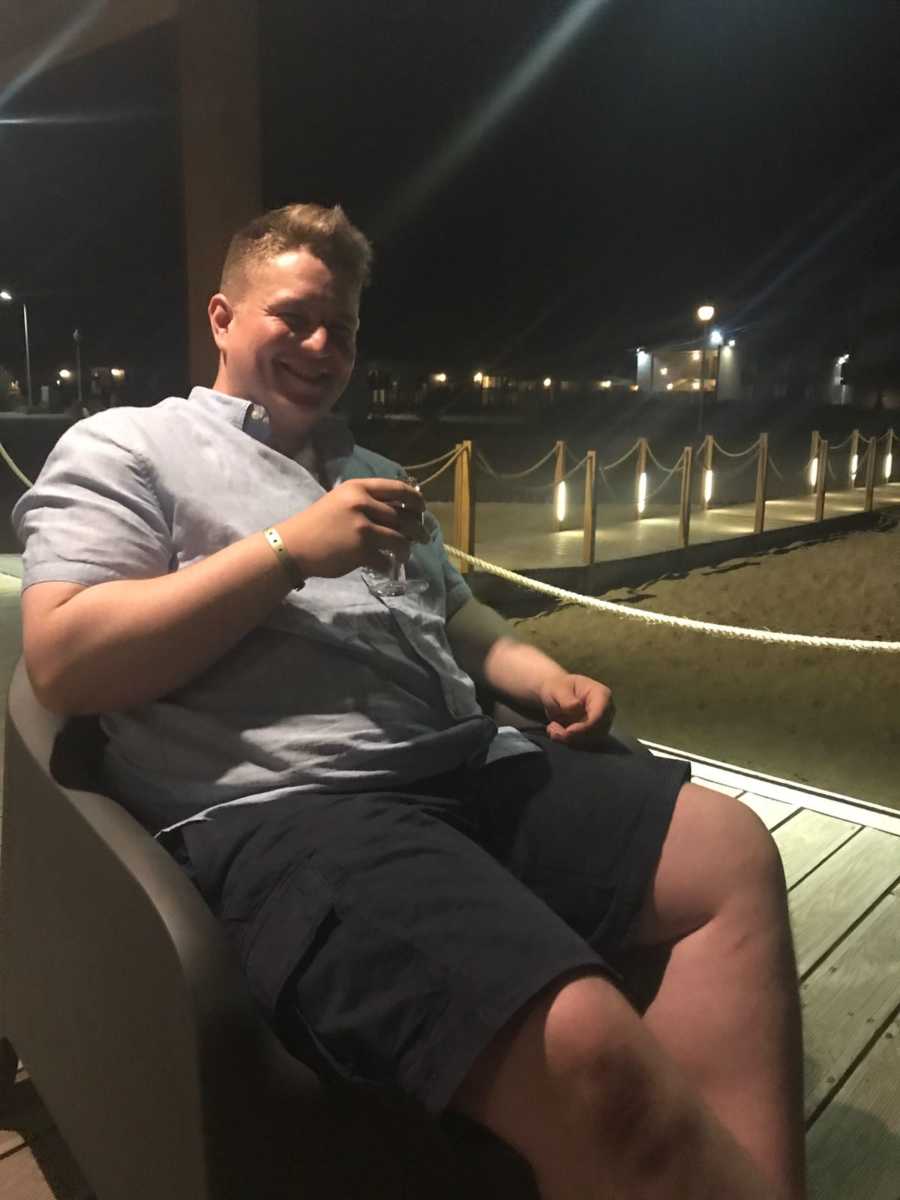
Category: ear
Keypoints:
(221, 315)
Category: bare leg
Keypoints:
(728, 1011)
(579, 1085)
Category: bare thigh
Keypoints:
(715, 846)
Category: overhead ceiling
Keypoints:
(42, 32)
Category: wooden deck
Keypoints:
(842, 864)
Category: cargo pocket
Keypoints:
(296, 919)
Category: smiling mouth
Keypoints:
(311, 379)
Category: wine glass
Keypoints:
(393, 581)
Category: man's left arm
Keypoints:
(577, 710)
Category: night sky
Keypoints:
(547, 184)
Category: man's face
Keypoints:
(288, 342)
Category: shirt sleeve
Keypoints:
(456, 590)
(93, 514)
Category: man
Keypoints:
(419, 900)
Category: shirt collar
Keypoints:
(331, 436)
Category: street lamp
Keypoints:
(7, 296)
(705, 314)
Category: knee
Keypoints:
(601, 1061)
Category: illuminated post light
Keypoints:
(663, 370)
(606, 383)
(715, 337)
(695, 356)
(561, 501)
(439, 377)
(548, 382)
(707, 485)
(642, 492)
(478, 377)
(118, 373)
(813, 472)
(854, 467)
(635, 387)
(731, 343)
(888, 465)
(705, 312)
(696, 385)
(670, 387)
(65, 373)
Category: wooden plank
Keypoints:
(771, 812)
(848, 997)
(715, 787)
(807, 840)
(826, 903)
(44, 1170)
(853, 1146)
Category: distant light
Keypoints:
(606, 383)
(669, 387)
(561, 502)
(477, 377)
(117, 373)
(705, 312)
(635, 387)
(642, 491)
(548, 382)
(4, 295)
(696, 385)
(695, 355)
(65, 373)
(888, 464)
(663, 370)
(813, 471)
(707, 486)
(731, 343)
(715, 337)
(842, 359)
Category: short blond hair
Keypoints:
(325, 232)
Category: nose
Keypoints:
(317, 339)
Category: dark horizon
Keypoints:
(533, 200)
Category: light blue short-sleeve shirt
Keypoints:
(338, 689)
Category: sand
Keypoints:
(826, 717)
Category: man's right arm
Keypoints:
(123, 643)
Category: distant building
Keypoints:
(676, 369)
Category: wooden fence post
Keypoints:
(590, 508)
(762, 475)
(640, 477)
(822, 471)
(686, 476)
(464, 504)
(854, 457)
(559, 470)
(871, 460)
(706, 483)
(813, 455)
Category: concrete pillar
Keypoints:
(220, 150)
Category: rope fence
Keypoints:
(869, 458)
(735, 632)
(482, 462)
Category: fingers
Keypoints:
(401, 514)
(394, 491)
